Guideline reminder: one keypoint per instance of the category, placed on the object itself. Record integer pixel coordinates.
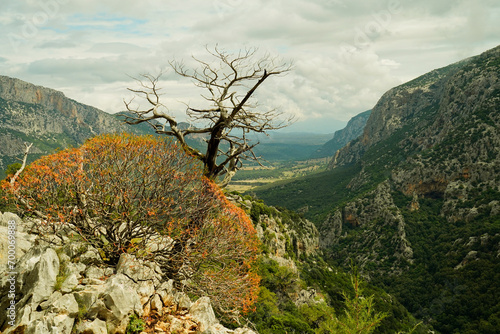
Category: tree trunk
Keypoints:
(211, 168)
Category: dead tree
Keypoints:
(230, 82)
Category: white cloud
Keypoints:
(346, 53)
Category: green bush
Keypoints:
(135, 325)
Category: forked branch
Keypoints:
(230, 81)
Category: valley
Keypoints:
(250, 177)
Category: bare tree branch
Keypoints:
(27, 147)
(230, 81)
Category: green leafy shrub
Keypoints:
(135, 325)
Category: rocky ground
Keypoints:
(64, 287)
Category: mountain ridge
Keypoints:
(414, 201)
(351, 131)
(48, 119)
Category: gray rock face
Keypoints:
(23, 240)
(47, 118)
(352, 130)
(121, 301)
(35, 280)
(102, 304)
(92, 327)
(136, 270)
(379, 222)
(281, 238)
(37, 276)
(202, 313)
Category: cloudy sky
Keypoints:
(346, 53)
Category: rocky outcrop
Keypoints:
(48, 119)
(380, 238)
(58, 290)
(286, 236)
(352, 130)
(435, 138)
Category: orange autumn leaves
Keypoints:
(230, 249)
(144, 195)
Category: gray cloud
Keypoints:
(346, 53)
(57, 44)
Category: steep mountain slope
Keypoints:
(48, 119)
(415, 200)
(300, 292)
(352, 130)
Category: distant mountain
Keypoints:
(287, 146)
(48, 119)
(414, 201)
(352, 130)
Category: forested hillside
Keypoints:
(414, 201)
(48, 119)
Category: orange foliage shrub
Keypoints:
(145, 196)
(229, 248)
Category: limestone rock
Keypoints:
(92, 327)
(7, 217)
(49, 302)
(156, 304)
(106, 304)
(65, 305)
(166, 292)
(24, 242)
(135, 269)
(379, 222)
(69, 283)
(203, 314)
(38, 270)
(122, 301)
(183, 301)
(90, 257)
(145, 289)
(94, 272)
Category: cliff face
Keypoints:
(440, 132)
(286, 236)
(414, 201)
(353, 130)
(380, 233)
(431, 151)
(47, 118)
(83, 118)
(432, 109)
